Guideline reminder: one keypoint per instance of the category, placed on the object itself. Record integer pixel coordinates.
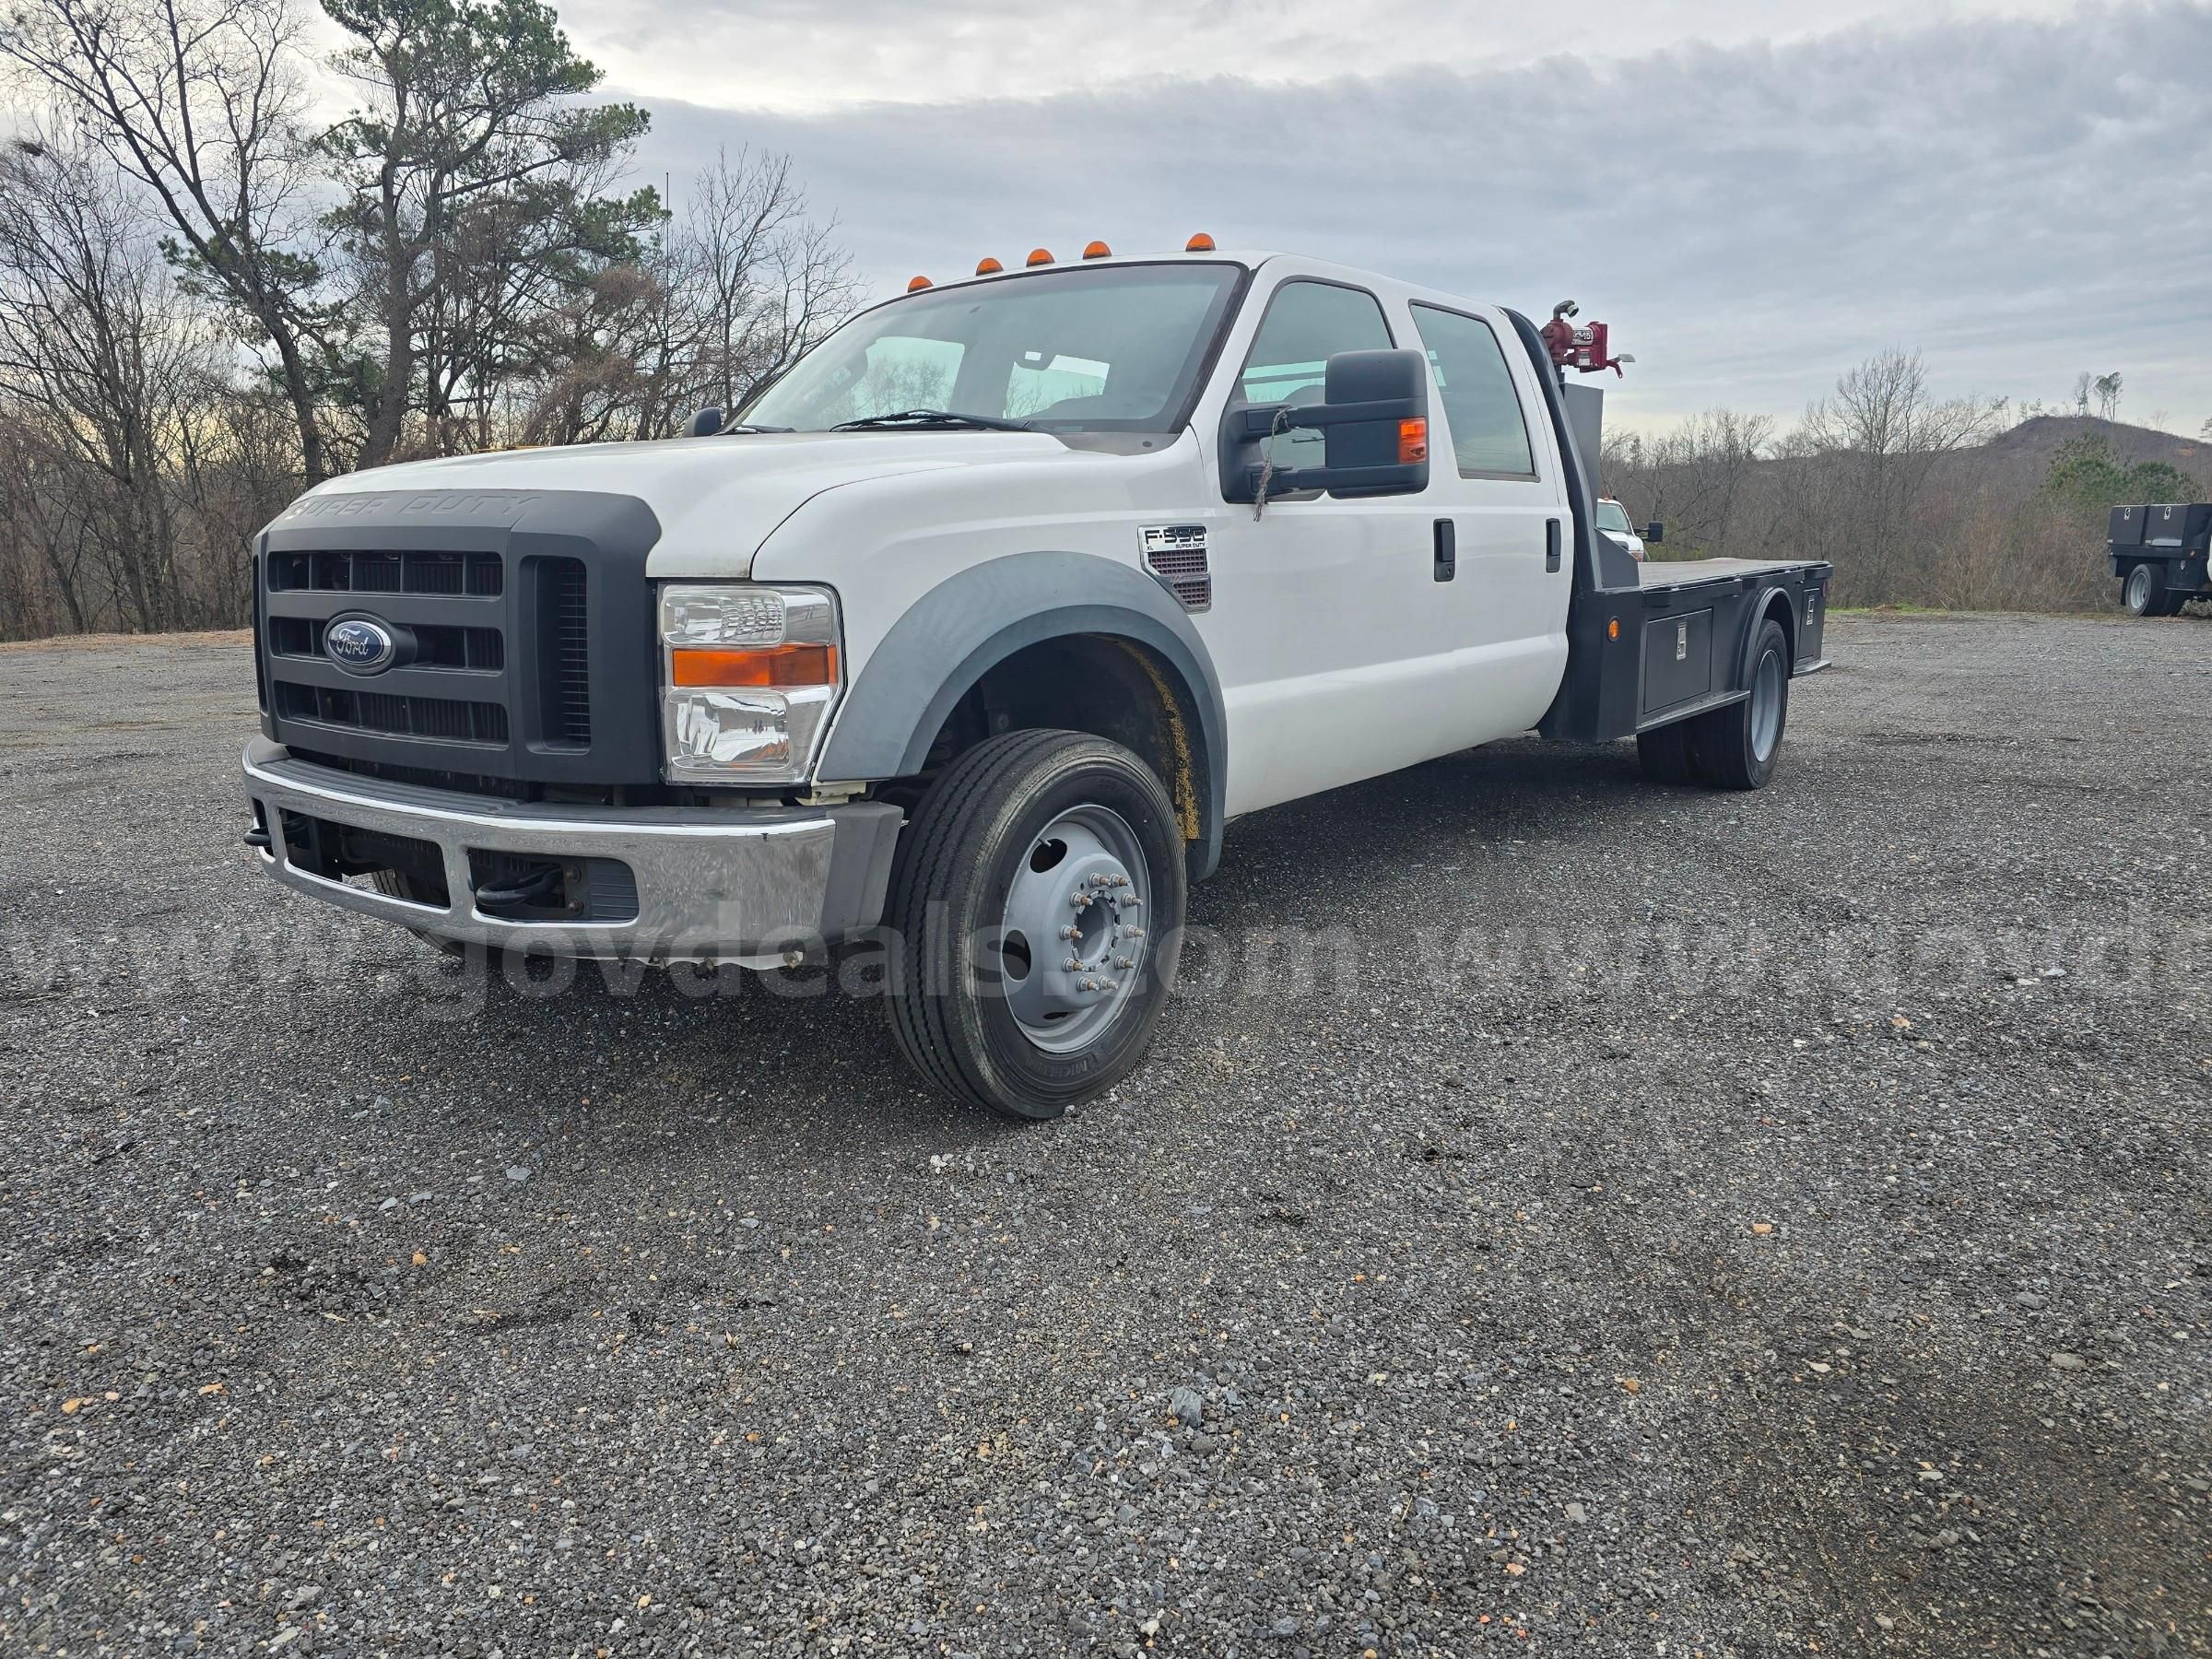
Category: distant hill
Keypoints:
(2018, 459)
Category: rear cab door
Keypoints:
(1490, 435)
(1349, 644)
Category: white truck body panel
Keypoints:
(1340, 656)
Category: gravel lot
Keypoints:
(1562, 1214)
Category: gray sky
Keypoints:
(1754, 195)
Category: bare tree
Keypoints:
(1696, 476)
(772, 281)
(93, 337)
(201, 100)
(1864, 455)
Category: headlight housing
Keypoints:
(748, 675)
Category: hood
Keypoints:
(717, 498)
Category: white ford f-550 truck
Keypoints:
(967, 636)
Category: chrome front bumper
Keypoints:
(743, 886)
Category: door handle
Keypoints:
(1551, 544)
(1447, 550)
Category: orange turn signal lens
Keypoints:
(773, 665)
(917, 284)
(1040, 256)
(1200, 244)
(1413, 440)
(986, 268)
(1097, 250)
(1613, 628)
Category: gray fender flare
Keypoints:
(1773, 596)
(953, 634)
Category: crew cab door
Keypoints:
(1494, 453)
(1347, 645)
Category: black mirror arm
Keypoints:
(1294, 480)
(1266, 419)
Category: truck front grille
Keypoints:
(523, 625)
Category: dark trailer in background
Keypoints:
(2159, 553)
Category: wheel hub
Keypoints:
(1073, 943)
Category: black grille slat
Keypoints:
(473, 575)
(376, 572)
(437, 645)
(564, 610)
(444, 719)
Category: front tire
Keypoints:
(1036, 913)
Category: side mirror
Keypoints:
(1654, 532)
(705, 424)
(1374, 415)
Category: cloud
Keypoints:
(803, 55)
(2021, 199)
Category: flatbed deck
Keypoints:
(1688, 572)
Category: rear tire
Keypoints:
(1023, 836)
(1735, 747)
(1665, 756)
(2144, 591)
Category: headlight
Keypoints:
(748, 675)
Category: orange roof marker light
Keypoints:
(917, 284)
(988, 267)
(1200, 244)
(1097, 250)
(1039, 256)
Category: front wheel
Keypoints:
(1036, 914)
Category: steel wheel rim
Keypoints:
(2139, 588)
(1766, 706)
(1075, 930)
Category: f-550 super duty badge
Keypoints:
(1175, 554)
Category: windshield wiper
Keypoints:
(743, 426)
(919, 418)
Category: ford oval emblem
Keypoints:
(359, 646)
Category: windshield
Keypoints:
(1113, 349)
(1613, 516)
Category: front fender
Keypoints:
(960, 629)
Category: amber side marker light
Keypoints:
(1040, 256)
(1613, 628)
(918, 283)
(1413, 440)
(1097, 250)
(775, 665)
(988, 267)
(1200, 244)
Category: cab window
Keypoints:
(1489, 436)
(1307, 322)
